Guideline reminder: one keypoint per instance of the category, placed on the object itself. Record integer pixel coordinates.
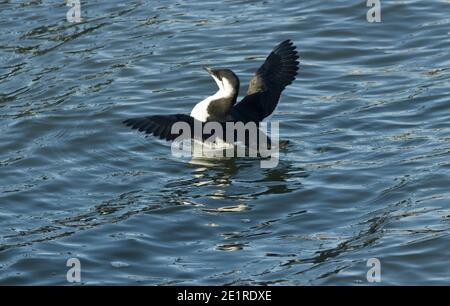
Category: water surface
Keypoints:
(366, 174)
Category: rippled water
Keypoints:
(366, 174)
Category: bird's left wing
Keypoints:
(161, 125)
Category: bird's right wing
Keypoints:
(277, 72)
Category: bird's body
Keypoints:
(200, 110)
(277, 72)
(216, 107)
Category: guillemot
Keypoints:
(276, 73)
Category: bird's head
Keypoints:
(226, 80)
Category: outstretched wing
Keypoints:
(160, 125)
(277, 72)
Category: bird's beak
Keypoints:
(209, 70)
(214, 76)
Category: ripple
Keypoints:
(365, 173)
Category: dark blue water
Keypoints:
(366, 173)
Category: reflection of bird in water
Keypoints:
(277, 72)
(223, 181)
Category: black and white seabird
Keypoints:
(277, 72)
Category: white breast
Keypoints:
(200, 110)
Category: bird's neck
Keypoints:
(226, 93)
(217, 106)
